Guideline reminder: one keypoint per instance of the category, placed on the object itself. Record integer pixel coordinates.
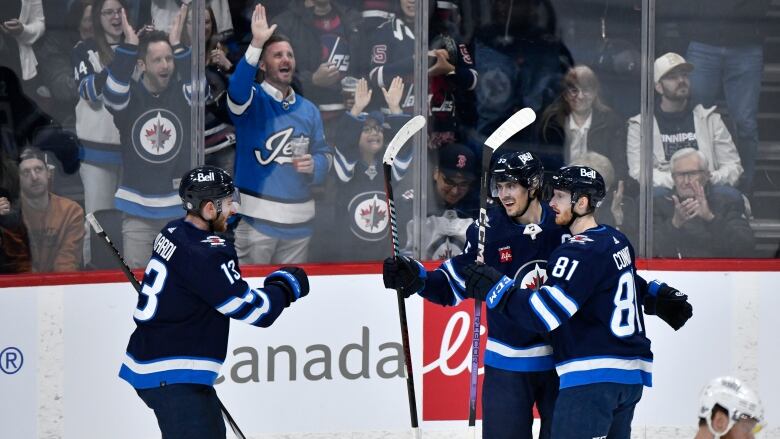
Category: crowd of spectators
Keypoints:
(304, 95)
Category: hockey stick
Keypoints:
(137, 285)
(509, 128)
(401, 137)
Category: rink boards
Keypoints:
(332, 364)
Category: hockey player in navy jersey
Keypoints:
(278, 206)
(191, 289)
(591, 307)
(519, 368)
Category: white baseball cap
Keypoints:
(668, 62)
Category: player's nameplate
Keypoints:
(533, 230)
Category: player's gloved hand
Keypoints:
(668, 303)
(292, 280)
(404, 274)
(484, 282)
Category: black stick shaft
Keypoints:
(388, 172)
(487, 154)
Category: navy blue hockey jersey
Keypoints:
(154, 128)
(591, 307)
(192, 287)
(519, 251)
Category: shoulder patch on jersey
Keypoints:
(171, 229)
(580, 239)
(214, 241)
(616, 240)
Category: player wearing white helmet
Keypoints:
(728, 409)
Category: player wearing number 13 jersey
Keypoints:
(191, 289)
(592, 307)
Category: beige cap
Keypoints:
(668, 62)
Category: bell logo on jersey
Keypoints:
(201, 177)
(590, 173)
(156, 136)
(505, 254)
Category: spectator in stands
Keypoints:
(162, 14)
(55, 224)
(14, 242)
(696, 221)
(679, 124)
(98, 136)
(579, 122)
(151, 116)
(450, 212)
(21, 25)
(620, 210)
(728, 409)
(452, 75)
(275, 180)
(322, 33)
(452, 79)
(726, 46)
(362, 219)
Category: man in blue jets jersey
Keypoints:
(521, 233)
(192, 287)
(591, 306)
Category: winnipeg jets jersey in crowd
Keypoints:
(192, 288)
(155, 134)
(591, 307)
(520, 252)
(275, 198)
(361, 203)
(95, 127)
(392, 49)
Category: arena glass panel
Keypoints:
(714, 137)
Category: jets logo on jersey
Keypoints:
(580, 239)
(277, 148)
(214, 241)
(157, 136)
(369, 216)
(505, 254)
(532, 275)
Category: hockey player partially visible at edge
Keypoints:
(728, 409)
(591, 308)
(191, 289)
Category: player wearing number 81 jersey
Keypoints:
(592, 307)
(191, 289)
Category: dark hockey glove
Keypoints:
(669, 304)
(403, 274)
(486, 283)
(292, 280)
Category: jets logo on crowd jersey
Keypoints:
(532, 275)
(277, 148)
(369, 216)
(157, 136)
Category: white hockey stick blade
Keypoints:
(94, 223)
(510, 127)
(409, 129)
(416, 433)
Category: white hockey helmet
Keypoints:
(739, 401)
